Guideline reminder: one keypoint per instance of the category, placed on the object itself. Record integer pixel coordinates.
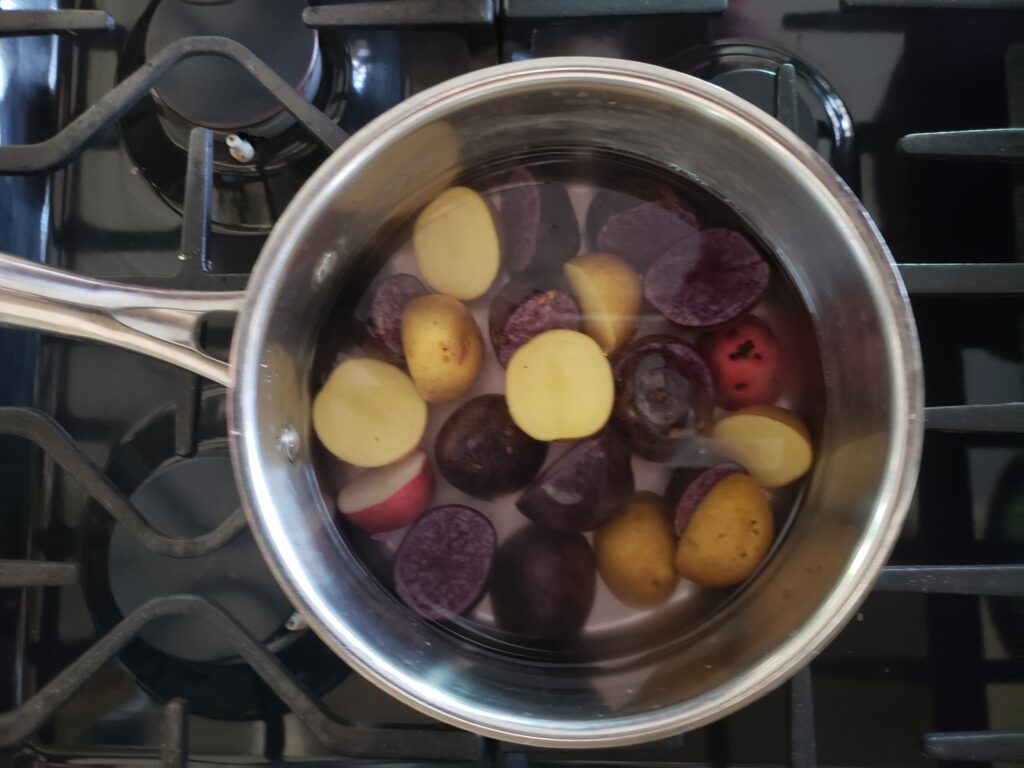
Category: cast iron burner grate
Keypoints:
(345, 739)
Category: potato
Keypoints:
(458, 244)
(521, 310)
(369, 413)
(691, 484)
(543, 584)
(636, 551)
(642, 233)
(384, 327)
(728, 534)
(707, 279)
(629, 192)
(539, 217)
(583, 487)
(773, 444)
(664, 394)
(482, 452)
(444, 562)
(746, 360)
(442, 345)
(608, 291)
(559, 386)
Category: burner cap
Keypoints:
(219, 93)
(188, 498)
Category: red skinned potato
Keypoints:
(707, 279)
(539, 222)
(629, 193)
(544, 583)
(583, 487)
(642, 233)
(384, 327)
(746, 362)
(521, 311)
(388, 498)
(482, 452)
(664, 392)
(444, 562)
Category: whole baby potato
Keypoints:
(635, 552)
(443, 348)
(728, 534)
(543, 584)
(481, 451)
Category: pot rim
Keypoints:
(904, 360)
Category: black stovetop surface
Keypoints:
(930, 654)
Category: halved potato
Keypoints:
(771, 443)
(458, 244)
(369, 413)
(559, 386)
(608, 290)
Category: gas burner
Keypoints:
(218, 93)
(185, 497)
(261, 155)
(755, 73)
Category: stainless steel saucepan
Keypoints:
(868, 448)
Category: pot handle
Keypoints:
(157, 322)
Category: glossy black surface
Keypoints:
(936, 659)
(218, 93)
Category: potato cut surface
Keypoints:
(559, 386)
(369, 413)
(457, 244)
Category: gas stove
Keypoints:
(158, 142)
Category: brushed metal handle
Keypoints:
(157, 322)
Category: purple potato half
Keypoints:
(482, 452)
(389, 299)
(521, 311)
(584, 487)
(642, 233)
(541, 230)
(544, 583)
(708, 279)
(629, 193)
(444, 562)
(664, 392)
(689, 486)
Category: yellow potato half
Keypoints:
(369, 413)
(771, 443)
(559, 386)
(457, 244)
(608, 290)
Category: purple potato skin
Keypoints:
(520, 311)
(583, 488)
(482, 452)
(541, 230)
(708, 279)
(642, 233)
(628, 193)
(444, 562)
(389, 299)
(543, 585)
(689, 486)
(664, 391)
